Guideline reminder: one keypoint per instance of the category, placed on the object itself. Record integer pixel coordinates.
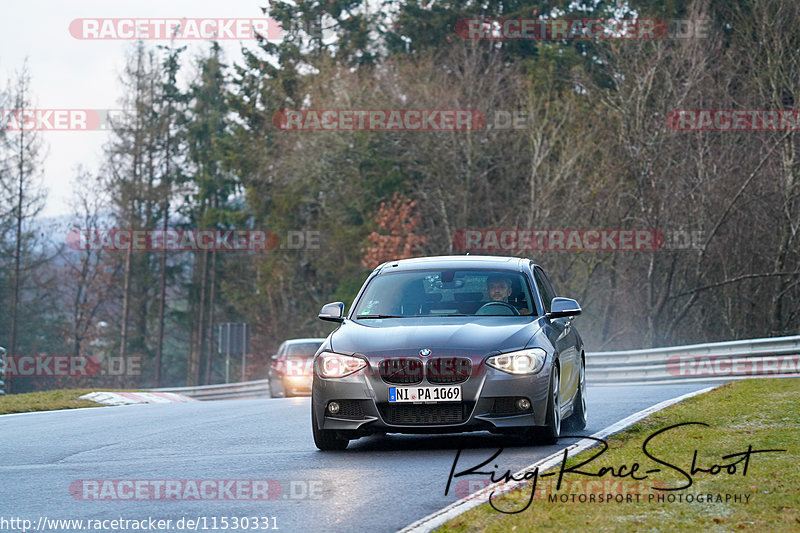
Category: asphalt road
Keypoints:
(378, 484)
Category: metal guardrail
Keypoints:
(2, 371)
(695, 363)
(225, 391)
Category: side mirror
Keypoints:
(562, 307)
(273, 357)
(333, 312)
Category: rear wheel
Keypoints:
(552, 429)
(325, 439)
(577, 420)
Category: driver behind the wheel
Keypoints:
(499, 288)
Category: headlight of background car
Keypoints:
(528, 361)
(334, 365)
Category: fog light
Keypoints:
(523, 404)
(333, 408)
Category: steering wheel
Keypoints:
(492, 308)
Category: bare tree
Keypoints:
(23, 196)
(88, 278)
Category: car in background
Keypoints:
(2, 371)
(291, 368)
(450, 344)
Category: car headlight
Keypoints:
(334, 365)
(528, 361)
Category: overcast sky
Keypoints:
(69, 73)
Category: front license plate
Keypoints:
(450, 393)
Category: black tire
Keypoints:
(552, 428)
(577, 420)
(325, 439)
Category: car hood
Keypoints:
(443, 336)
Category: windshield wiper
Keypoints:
(359, 317)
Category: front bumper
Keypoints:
(488, 404)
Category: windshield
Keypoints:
(305, 348)
(451, 292)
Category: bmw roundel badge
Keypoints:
(425, 352)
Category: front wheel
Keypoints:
(552, 428)
(325, 439)
(577, 420)
(273, 389)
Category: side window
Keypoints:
(548, 284)
(543, 285)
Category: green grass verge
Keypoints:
(46, 401)
(764, 413)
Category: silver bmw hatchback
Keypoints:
(446, 345)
